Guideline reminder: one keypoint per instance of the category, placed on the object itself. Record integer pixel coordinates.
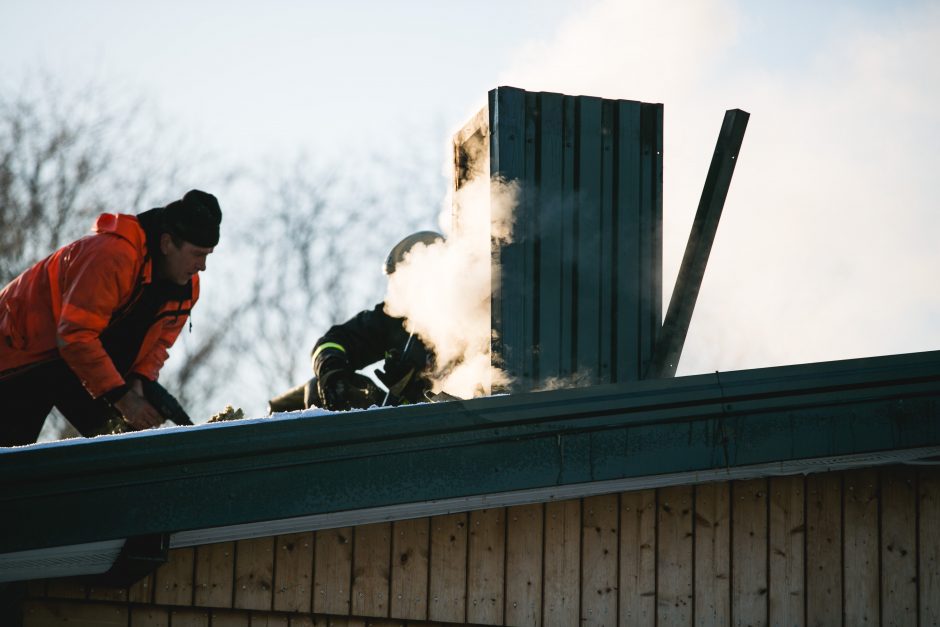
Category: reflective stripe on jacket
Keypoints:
(61, 305)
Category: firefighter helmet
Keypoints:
(403, 247)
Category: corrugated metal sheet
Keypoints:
(578, 291)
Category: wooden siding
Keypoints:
(843, 548)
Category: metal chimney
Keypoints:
(578, 292)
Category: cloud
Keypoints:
(826, 247)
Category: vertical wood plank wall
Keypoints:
(859, 547)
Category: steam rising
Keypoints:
(826, 247)
(443, 290)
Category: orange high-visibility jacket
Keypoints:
(61, 305)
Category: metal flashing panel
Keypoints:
(577, 293)
(409, 511)
(269, 470)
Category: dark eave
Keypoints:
(547, 443)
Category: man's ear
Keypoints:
(165, 242)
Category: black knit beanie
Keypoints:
(194, 218)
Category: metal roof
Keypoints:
(259, 477)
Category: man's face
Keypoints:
(180, 263)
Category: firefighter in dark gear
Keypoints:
(368, 337)
(84, 328)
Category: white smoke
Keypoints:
(443, 290)
(826, 247)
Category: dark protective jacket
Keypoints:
(370, 336)
(94, 303)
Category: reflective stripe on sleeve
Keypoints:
(326, 345)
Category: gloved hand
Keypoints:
(344, 389)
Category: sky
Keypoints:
(827, 245)
(259, 78)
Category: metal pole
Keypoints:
(684, 294)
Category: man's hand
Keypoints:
(136, 410)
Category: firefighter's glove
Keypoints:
(344, 389)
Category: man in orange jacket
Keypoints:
(82, 328)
